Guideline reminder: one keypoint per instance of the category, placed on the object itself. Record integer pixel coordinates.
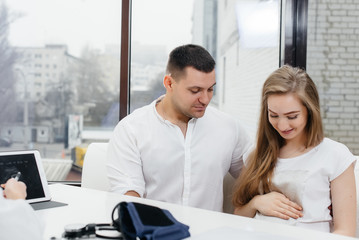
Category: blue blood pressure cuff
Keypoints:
(147, 222)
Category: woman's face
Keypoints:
(288, 116)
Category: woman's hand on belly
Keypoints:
(276, 204)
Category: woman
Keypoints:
(295, 175)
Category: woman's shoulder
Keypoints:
(330, 145)
(337, 156)
(334, 149)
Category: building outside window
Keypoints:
(80, 51)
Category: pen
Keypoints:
(18, 175)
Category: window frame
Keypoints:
(295, 33)
(125, 65)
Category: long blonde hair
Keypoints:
(256, 177)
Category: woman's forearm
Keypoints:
(247, 210)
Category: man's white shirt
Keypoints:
(151, 156)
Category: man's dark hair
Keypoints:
(189, 55)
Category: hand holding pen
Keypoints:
(13, 189)
(14, 176)
(17, 176)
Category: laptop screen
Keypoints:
(10, 165)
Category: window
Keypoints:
(248, 43)
(82, 47)
(155, 32)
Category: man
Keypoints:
(18, 220)
(177, 149)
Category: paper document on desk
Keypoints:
(229, 233)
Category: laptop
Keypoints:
(26, 166)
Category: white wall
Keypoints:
(241, 71)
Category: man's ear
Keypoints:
(167, 82)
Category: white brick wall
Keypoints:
(333, 64)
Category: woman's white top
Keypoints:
(306, 180)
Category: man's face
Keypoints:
(192, 92)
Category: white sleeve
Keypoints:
(247, 153)
(18, 220)
(342, 158)
(243, 146)
(124, 165)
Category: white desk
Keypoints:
(93, 206)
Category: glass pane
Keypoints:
(332, 62)
(59, 73)
(248, 51)
(242, 36)
(156, 30)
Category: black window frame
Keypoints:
(295, 33)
